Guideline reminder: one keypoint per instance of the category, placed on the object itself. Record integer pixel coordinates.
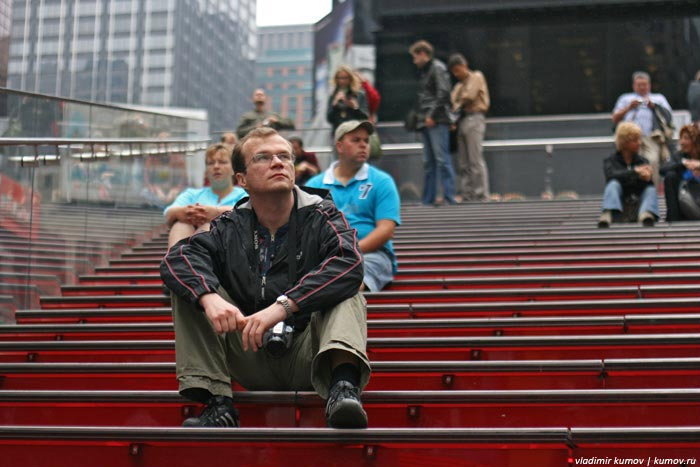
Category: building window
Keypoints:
(122, 6)
(159, 22)
(85, 45)
(87, 8)
(49, 47)
(122, 23)
(51, 11)
(50, 27)
(121, 43)
(86, 26)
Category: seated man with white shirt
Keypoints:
(646, 109)
(194, 208)
(367, 197)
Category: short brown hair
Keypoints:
(422, 46)
(693, 133)
(456, 59)
(263, 132)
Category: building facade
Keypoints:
(5, 26)
(284, 68)
(542, 57)
(179, 53)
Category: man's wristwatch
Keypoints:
(284, 301)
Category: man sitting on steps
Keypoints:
(269, 295)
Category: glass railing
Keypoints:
(82, 182)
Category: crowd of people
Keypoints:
(268, 261)
(266, 265)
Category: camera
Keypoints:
(640, 101)
(278, 339)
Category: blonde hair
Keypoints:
(354, 82)
(218, 147)
(625, 132)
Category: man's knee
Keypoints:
(378, 270)
(613, 186)
(179, 231)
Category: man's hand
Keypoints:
(203, 214)
(633, 105)
(429, 122)
(191, 215)
(256, 324)
(644, 172)
(224, 316)
(304, 166)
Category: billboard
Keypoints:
(339, 38)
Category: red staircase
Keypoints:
(515, 334)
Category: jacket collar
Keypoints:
(329, 178)
(305, 197)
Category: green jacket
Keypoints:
(253, 119)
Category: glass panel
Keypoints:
(65, 209)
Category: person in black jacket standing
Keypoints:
(269, 296)
(627, 174)
(433, 121)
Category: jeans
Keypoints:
(613, 197)
(436, 157)
(378, 270)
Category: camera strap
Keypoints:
(291, 252)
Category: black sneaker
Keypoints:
(219, 413)
(344, 408)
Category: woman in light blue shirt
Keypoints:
(194, 208)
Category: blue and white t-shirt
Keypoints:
(642, 115)
(370, 196)
(206, 197)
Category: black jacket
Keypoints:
(616, 168)
(433, 93)
(329, 263)
(694, 100)
(339, 113)
(674, 165)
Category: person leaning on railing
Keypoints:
(194, 208)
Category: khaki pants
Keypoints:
(652, 150)
(473, 182)
(210, 361)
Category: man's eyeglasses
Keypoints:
(264, 158)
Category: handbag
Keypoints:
(411, 121)
(689, 199)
